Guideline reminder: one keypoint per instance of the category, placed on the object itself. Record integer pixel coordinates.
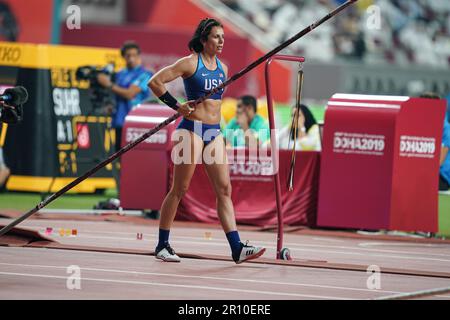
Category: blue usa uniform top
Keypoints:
(204, 80)
(138, 76)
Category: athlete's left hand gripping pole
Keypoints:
(152, 131)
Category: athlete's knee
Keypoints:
(223, 190)
(179, 191)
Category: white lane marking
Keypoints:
(202, 277)
(399, 244)
(327, 239)
(210, 278)
(271, 293)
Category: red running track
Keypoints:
(115, 265)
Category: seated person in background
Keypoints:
(248, 128)
(444, 170)
(308, 135)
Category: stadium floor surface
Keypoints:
(114, 264)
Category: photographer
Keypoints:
(11, 112)
(130, 86)
(4, 170)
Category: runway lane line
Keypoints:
(205, 278)
(270, 293)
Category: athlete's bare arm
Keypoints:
(184, 67)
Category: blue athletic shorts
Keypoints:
(208, 132)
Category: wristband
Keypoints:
(169, 100)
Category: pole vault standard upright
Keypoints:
(273, 144)
(152, 131)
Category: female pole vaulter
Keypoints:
(201, 71)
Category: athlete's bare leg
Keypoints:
(218, 174)
(182, 175)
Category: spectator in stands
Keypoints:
(248, 128)
(9, 28)
(348, 37)
(409, 32)
(308, 133)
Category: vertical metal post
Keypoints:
(273, 146)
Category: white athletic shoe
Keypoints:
(248, 253)
(167, 254)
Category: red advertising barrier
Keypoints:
(144, 174)
(380, 163)
(253, 192)
(147, 172)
